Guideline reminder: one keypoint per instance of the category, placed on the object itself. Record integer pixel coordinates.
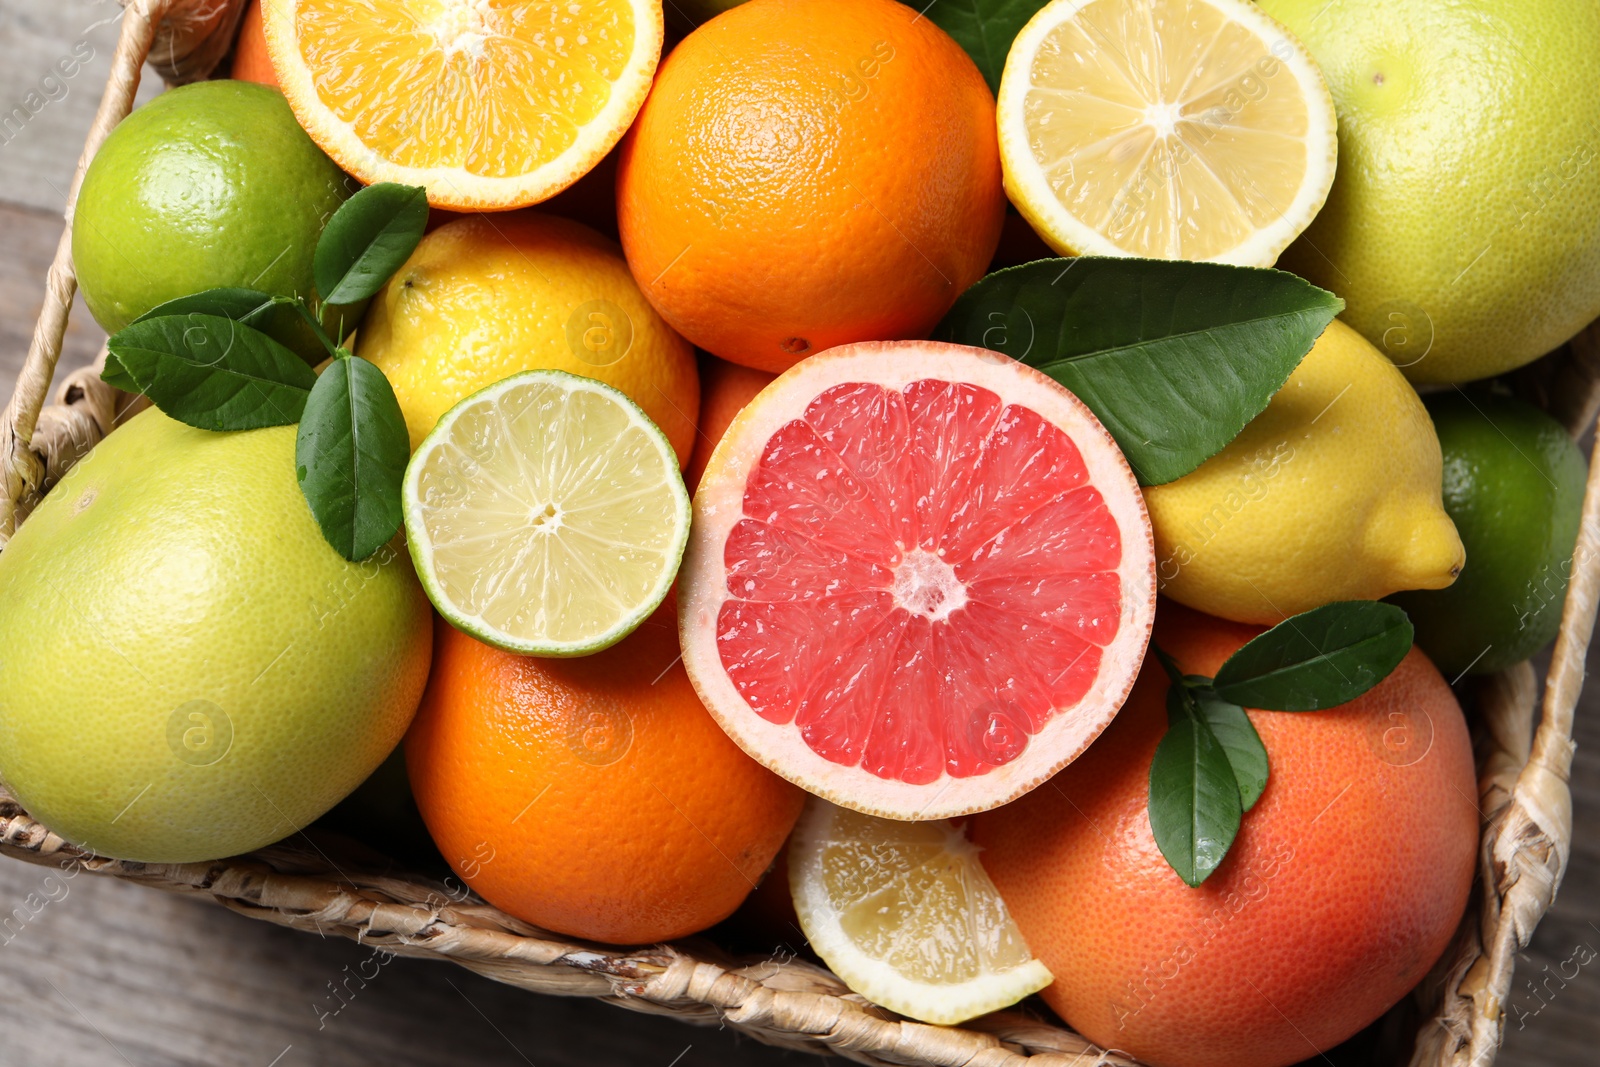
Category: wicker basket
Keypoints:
(1456, 1017)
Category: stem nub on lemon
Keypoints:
(1167, 129)
(904, 913)
(546, 515)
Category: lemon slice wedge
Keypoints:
(904, 914)
(546, 515)
(1168, 129)
(488, 105)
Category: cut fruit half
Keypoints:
(920, 580)
(489, 104)
(1168, 129)
(904, 914)
(546, 515)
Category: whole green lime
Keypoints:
(1460, 229)
(1513, 484)
(212, 184)
(187, 669)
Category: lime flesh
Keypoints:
(546, 515)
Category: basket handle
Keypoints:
(21, 469)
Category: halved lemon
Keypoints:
(904, 914)
(489, 104)
(546, 515)
(1168, 129)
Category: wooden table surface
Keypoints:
(110, 973)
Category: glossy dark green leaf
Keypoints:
(350, 457)
(1174, 357)
(367, 240)
(985, 28)
(243, 305)
(209, 371)
(1237, 734)
(1317, 659)
(276, 316)
(1194, 797)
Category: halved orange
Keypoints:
(489, 104)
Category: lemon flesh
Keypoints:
(1168, 129)
(546, 515)
(1334, 492)
(904, 914)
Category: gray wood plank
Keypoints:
(108, 972)
(54, 59)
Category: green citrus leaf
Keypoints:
(1175, 358)
(1318, 659)
(1237, 735)
(367, 240)
(1194, 797)
(116, 375)
(275, 316)
(350, 457)
(210, 371)
(985, 28)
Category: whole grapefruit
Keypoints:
(1345, 883)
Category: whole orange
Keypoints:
(807, 173)
(594, 797)
(250, 60)
(725, 388)
(1344, 885)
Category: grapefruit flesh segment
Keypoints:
(920, 580)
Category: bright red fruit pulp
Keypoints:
(921, 579)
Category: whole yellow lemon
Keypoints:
(487, 296)
(1334, 492)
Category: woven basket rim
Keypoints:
(785, 1001)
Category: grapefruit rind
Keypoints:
(718, 505)
(672, 495)
(1028, 179)
(941, 1003)
(455, 187)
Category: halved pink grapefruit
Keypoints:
(920, 578)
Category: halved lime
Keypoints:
(546, 514)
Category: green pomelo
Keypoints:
(1460, 229)
(209, 185)
(187, 669)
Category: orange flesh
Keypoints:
(497, 88)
